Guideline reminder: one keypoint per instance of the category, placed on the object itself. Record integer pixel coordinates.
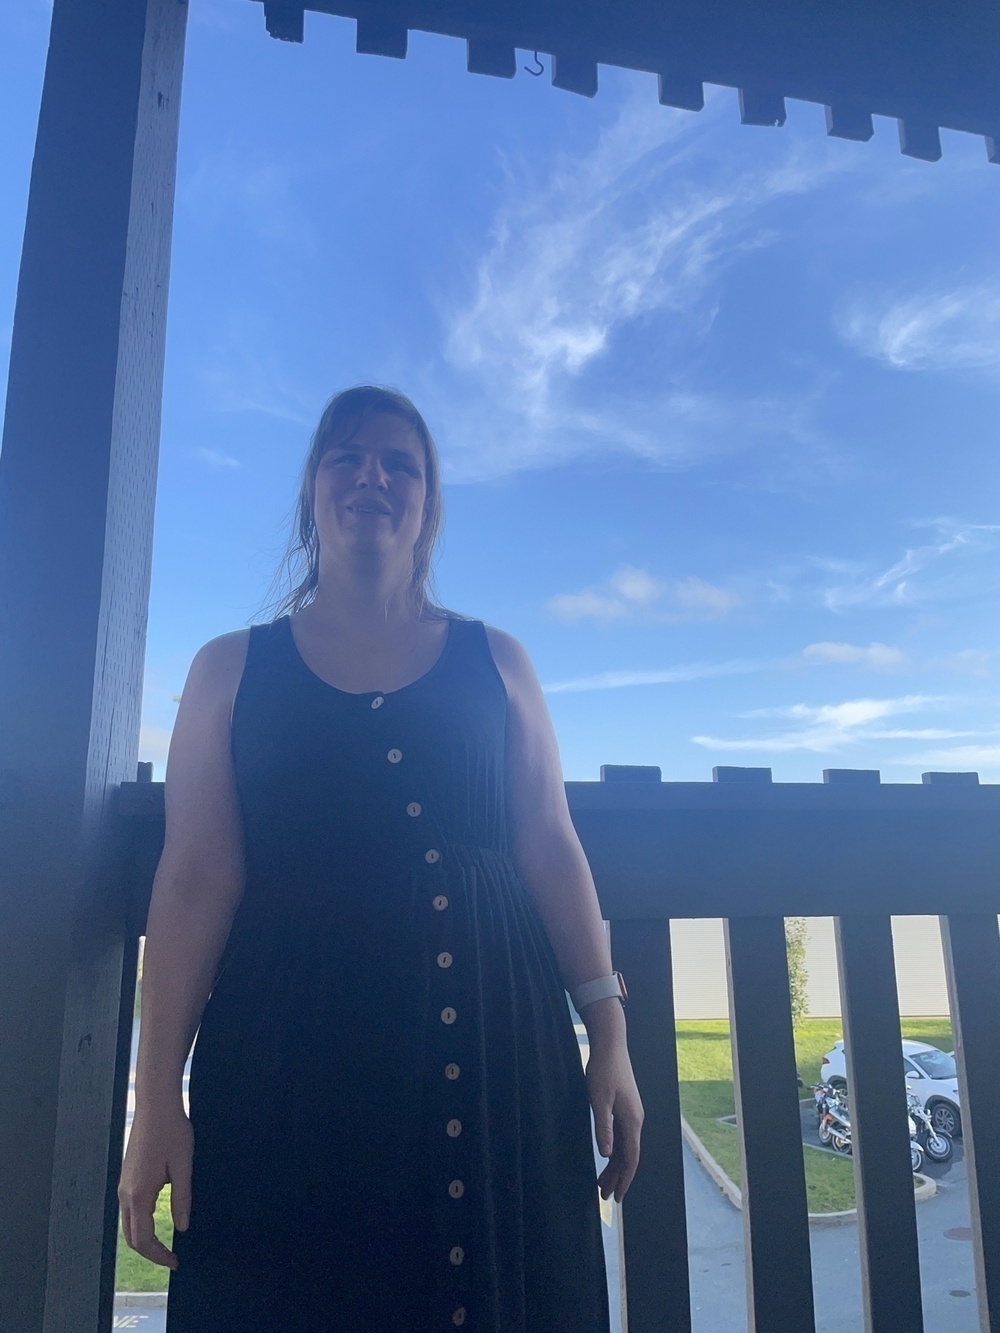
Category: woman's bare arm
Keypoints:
(546, 848)
(199, 879)
(551, 861)
(196, 889)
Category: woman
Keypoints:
(371, 899)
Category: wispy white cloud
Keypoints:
(679, 675)
(877, 655)
(955, 329)
(216, 458)
(826, 727)
(957, 758)
(632, 594)
(967, 661)
(917, 734)
(851, 586)
(634, 233)
(263, 197)
(242, 372)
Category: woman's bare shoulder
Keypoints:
(218, 665)
(511, 658)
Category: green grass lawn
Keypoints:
(705, 1066)
(134, 1273)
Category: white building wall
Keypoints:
(920, 979)
(699, 958)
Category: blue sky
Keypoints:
(717, 405)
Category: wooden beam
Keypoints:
(972, 963)
(654, 1223)
(738, 848)
(775, 1211)
(930, 66)
(77, 484)
(883, 1179)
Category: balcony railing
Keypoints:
(754, 852)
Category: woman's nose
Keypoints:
(371, 473)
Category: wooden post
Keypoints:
(883, 1179)
(653, 1219)
(77, 484)
(775, 1210)
(972, 965)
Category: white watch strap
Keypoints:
(598, 989)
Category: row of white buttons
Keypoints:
(448, 1016)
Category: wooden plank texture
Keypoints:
(939, 67)
(887, 1223)
(972, 963)
(715, 849)
(653, 1215)
(77, 486)
(775, 1211)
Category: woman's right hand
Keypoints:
(159, 1152)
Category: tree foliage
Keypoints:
(796, 931)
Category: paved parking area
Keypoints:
(715, 1238)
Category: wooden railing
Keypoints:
(754, 852)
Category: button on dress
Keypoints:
(391, 1123)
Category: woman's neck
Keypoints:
(363, 606)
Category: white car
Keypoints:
(929, 1072)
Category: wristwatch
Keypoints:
(599, 989)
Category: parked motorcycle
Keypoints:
(937, 1145)
(833, 1127)
(916, 1152)
(833, 1120)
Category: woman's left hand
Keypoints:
(618, 1114)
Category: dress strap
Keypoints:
(263, 659)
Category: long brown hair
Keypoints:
(343, 414)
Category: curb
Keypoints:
(926, 1189)
(140, 1300)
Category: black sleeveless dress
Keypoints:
(391, 1122)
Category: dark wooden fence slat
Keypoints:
(116, 1138)
(775, 1211)
(972, 963)
(887, 1222)
(654, 1222)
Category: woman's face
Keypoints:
(370, 491)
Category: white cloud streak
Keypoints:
(898, 585)
(217, 459)
(957, 758)
(956, 329)
(679, 675)
(243, 374)
(632, 595)
(826, 727)
(877, 655)
(626, 234)
(967, 662)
